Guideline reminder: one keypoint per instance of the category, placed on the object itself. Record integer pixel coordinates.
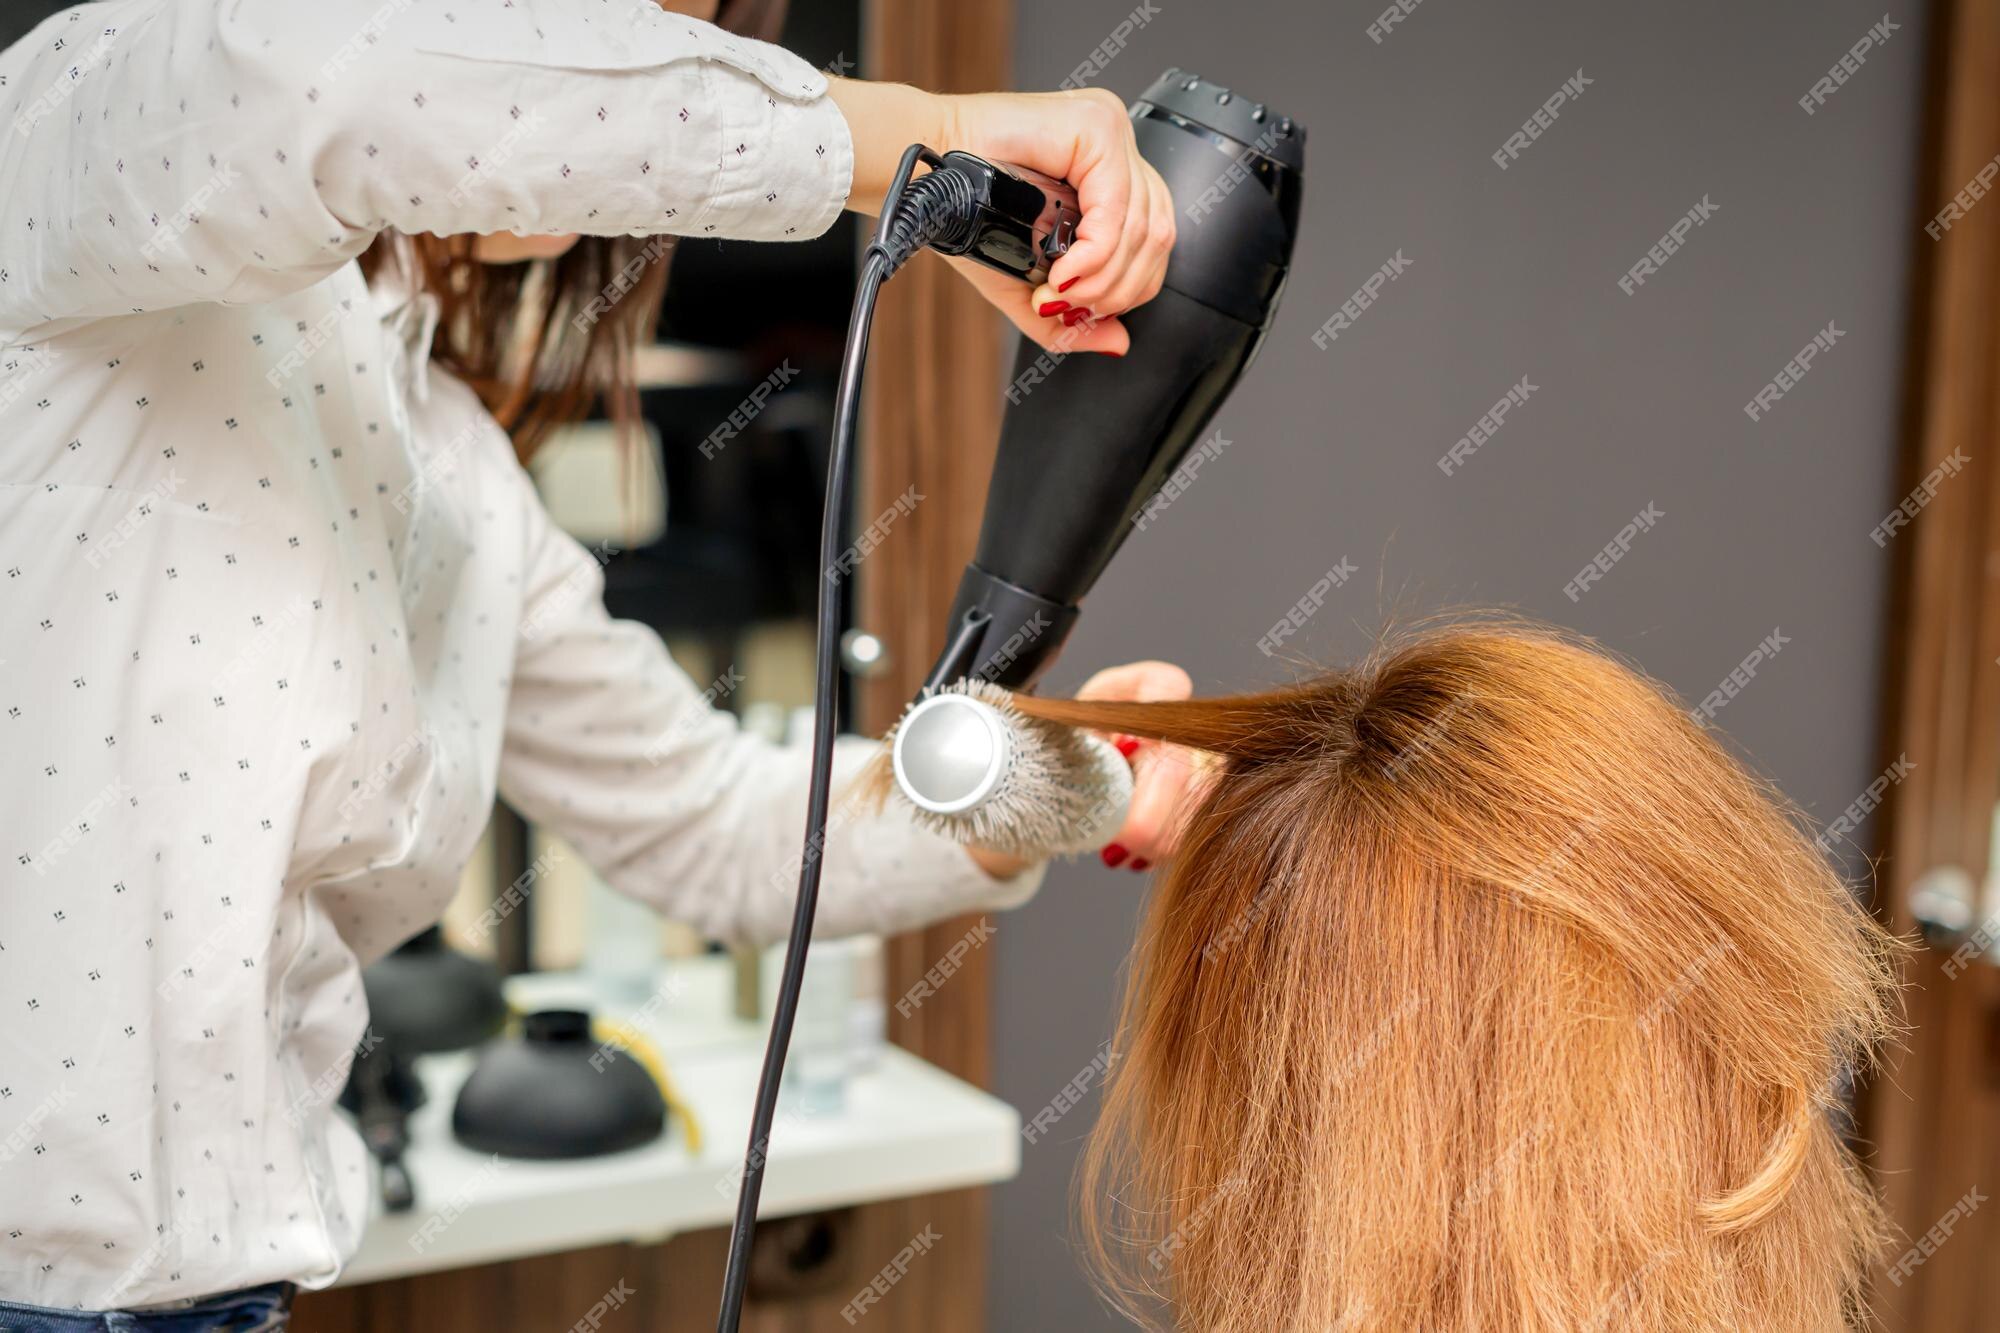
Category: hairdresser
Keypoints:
(283, 287)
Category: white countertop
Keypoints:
(907, 1128)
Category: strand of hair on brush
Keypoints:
(1216, 725)
(868, 790)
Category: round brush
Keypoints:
(976, 769)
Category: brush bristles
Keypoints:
(1062, 791)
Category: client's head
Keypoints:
(1487, 992)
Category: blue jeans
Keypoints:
(250, 1311)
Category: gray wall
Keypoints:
(1640, 398)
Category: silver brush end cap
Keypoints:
(950, 752)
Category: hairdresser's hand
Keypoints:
(1120, 254)
(1084, 137)
(1165, 780)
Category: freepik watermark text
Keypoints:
(1913, 503)
(1486, 427)
(1108, 50)
(1307, 606)
(1663, 249)
(1847, 66)
(1739, 678)
(1614, 551)
(1378, 31)
(748, 410)
(1180, 479)
(1961, 203)
(1535, 126)
(1364, 296)
(1792, 372)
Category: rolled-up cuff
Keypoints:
(785, 165)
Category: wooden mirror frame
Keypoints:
(1933, 1114)
(937, 354)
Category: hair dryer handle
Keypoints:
(1018, 221)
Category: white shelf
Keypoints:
(908, 1128)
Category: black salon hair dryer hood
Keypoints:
(1088, 439)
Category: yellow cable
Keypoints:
(640, 1048)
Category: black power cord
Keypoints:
(934, 208)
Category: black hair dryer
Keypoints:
(1088, 439)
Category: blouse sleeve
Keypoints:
(160, 152)
(611, 744)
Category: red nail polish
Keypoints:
(1142, 864)
(1073, 316)
(1071, 283)
(1052, 308)
(1114, 855)
(1127, 745)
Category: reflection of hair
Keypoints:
(542, 342)
(1487, 992)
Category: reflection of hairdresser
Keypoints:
(282, 608)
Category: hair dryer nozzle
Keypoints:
(1000, 633)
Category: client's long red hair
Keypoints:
(1487, 993)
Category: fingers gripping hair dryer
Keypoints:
(1086, 439)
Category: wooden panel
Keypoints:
(1934, 1115)
(552, 1292)
(669, 1288)
(930, 419)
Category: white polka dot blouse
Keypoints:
(279, 611)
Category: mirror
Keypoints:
(709, 531)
